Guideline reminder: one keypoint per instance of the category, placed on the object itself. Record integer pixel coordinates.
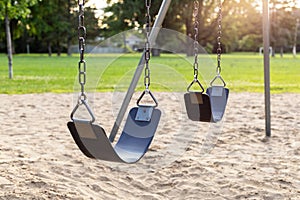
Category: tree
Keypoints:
(239, 17)
(242, 26)
(53, 23)
(297, 14)
(283, 20)
(13, 10)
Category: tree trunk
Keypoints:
(69, 47)
(281, 52)
(28, 48)
(58, 49)
(13, 26)
(190, 46)
(190, 34)
(294, 51)
(9, 47)
(189, 39)
(295, 39)
(273, 52)
(69, 33)
(49, 49)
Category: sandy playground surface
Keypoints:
(187, 160)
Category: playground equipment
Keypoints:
(209, 107)
(197, 103)
(266, 41)
(142, 121)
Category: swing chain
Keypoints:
(147, 55)
(147, 46)
(196, 43)
(82, 64)
(219, 49)
(81, 40)
(196, 50)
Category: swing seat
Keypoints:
(218, 96)
(197, 106)
(131, 146)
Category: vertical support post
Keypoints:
(266, 40)
(152, 37)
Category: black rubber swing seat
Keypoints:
(209, 107)
(133, 143)
(198, 106)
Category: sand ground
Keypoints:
(187, 160)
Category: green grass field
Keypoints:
(38, 73)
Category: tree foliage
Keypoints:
(13, 10)
(284, 17)
(241, 23)
(16, 9)
(51, 25)
(47, 25)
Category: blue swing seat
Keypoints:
(133, 143)
(218, 96)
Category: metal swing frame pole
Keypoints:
(152, 38)
(266, 41)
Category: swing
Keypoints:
(197, 103)
(141, 123)
(218, 94)
(209, 107)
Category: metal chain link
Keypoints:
(196, 43)
(219, 49)
(82, 64)
(81, 41)
(147, 45)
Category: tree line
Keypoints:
(46, 26)
(41, 26)
(241, 22)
